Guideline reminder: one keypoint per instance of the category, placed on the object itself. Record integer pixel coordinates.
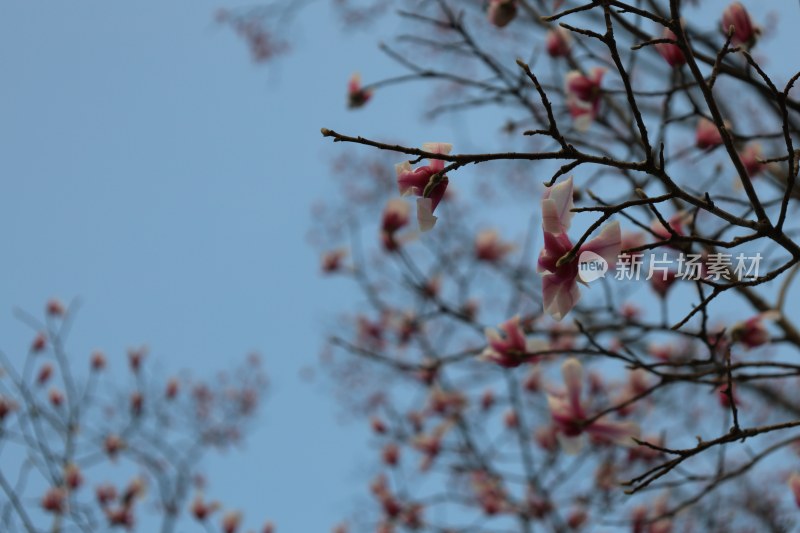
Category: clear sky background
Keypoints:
(148, 167)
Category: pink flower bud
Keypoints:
(44, 374)
(707, 135)
(391, 454)
(98, 361)
(745, 33)
(39, 342)
(113, 445)
(378, 426)
(751, 159)
(136, 403)
(201, 510)
(545, 437)
(559, 42)
(55, 500)
(487, 400)
(510, 419)
(584, 96)
(489, 247)
(671, 53)
(55, 308)
(6, 407)
(72, 476)
(56, 397)
(502, 12)
(662, 282)
(105, 494)
(332, 261)
(172, 389)
(577, 518)
(356, 95)
(752, 332)
(135, 358)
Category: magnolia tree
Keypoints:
(585, 323)
(90, 447)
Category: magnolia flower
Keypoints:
(501, 12)
(201, 509)
(662, 282)
(583, 96)
(677, 223)
(55, 500)
(413, 182)
(356, 95)
(707, 135)
(391, 454)
(671, 53)
(98, 361)
(560, 291)
(55, 308)
(752, 332)
(570, 418)
(745, 33)
(332, 261)
(72, 476)
(395, 217)
(489, 247)
(231, 521)
(559, 42)
(510, 349)
(751, 159)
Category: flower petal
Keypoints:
(425, 215)
(607, 244)
(557, 207)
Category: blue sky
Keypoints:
(150, 169)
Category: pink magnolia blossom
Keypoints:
(55, 500)
(391, 454)
(676, 222)
(98, 361)
(752, 332)
(202, 509)
(55, 308)
(745, 32)
(583, 96)
(490, 248)
(231, 521)
(560, 291)
(570, 418)
(671, 53)
(662, 282)
(509, 348)
(707, 135)
(559, 42)
(751, 159)
(501, 12)
(357, 96)
(489, 492)
(413, 182)
(332, 261)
